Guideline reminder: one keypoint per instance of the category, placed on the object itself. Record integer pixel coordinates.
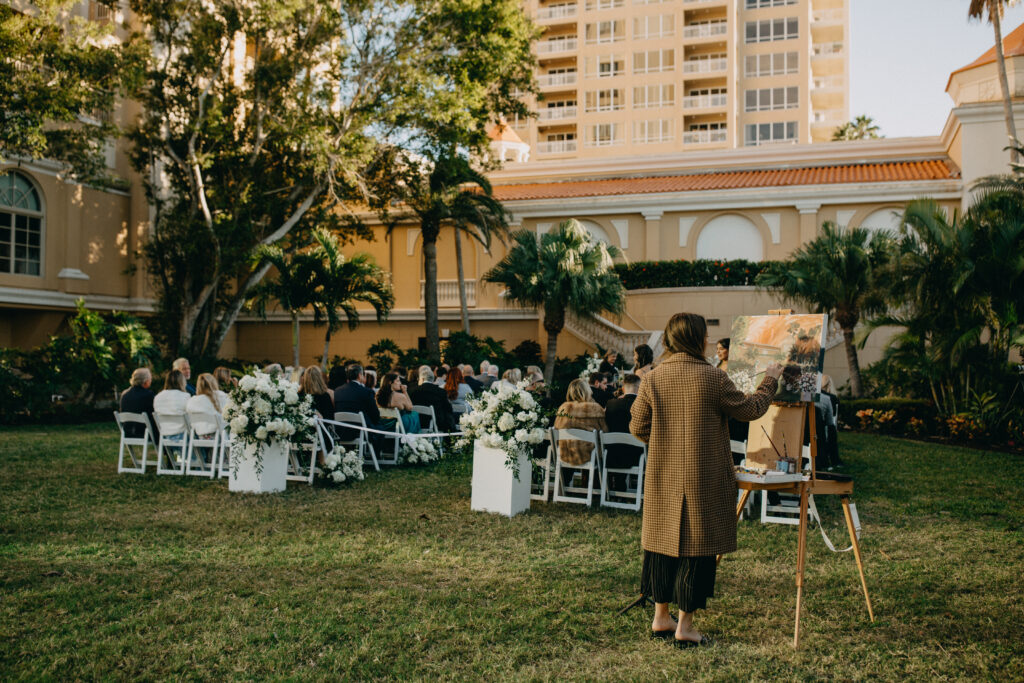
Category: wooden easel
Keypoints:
(835, 485)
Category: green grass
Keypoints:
(107, 576)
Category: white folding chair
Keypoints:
(203, 454)
(622, 439)
(428, 411)
(362, 441)
(322, 443)
(395, 441)
(787, 510)
(545, 469)
(558, 438)
(224, 454)
(170, 448)
(130, 443)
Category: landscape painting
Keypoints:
(796, 342)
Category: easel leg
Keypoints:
(856, 553)
(801, 555)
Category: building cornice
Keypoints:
(47, 298)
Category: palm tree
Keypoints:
(340, 282)
(861, 128)
(837, 273)
(291, 288)
(563, 270)
(994, 9)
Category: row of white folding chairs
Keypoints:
(390, 445)
(196, 445)
(595, 467)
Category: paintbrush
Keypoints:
(772, 442)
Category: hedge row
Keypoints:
(702, 273)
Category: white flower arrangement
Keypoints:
(506, 418)
(265, 408)
(593, 365)
(417, 450)
(341, 466)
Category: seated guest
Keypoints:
(616, 414)
(225, 379)
(205, 406)
(312, 383)
(599, 388)
(475, 385)
(336, 378)
(440, 377)
(512, 377)
(371, 380)
(578, 412)
(171, 401)
(427, 393)
(492, 375)
(392, 395)
(608, 364)
(457, 391)
(482, 377)
(274, 369)
(354, 397)
(138, 398)
(182, 365)
(643, 360)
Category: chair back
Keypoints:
(124, 419)
(203, 422)
(350, 436)
(620, 439)
(428, 411)
(171, 424)
(570, 434)
(391, 414)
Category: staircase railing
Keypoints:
(602, 332)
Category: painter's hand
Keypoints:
(774, 371)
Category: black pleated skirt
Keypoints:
(685, 581)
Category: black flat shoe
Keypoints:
(664, 635)
(687, 644)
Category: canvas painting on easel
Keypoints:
(796, 342)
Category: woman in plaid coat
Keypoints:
(681, 412)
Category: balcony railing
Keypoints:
(561, 12)
(546, 47)
(555, 80)
(718, 28)
(700, 2)
(556, 147)
(828, 116)
(704, 66)
(705, 101)
(556, 113)
(827, 50)
(448, 293)
(827, 82)
(704, 137)
(827, 16)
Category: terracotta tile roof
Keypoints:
(898, 171)
(1013, 46)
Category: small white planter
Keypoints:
(245, 479)
(495, 488)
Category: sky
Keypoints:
(902, 52)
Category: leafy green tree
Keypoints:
(59, 81)
(292, 287)
(994, 10)
(861, 128)
(259, 120)
(383, 353)
(838, 273)
(562, 270)
(340, 282)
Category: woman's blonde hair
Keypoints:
(312, 381)
(513, 375)
(224, 378)
(579, 392)
(207, 386)
(686, 333)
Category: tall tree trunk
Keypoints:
(851, 360)
(295, 340)
(1011, 127)
(554, 321)
(430, 296)
(549, 360)
(462, 281)
(327, 348)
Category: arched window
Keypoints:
(21, 225)
(730, 237)
(597, 233)
(883, 219)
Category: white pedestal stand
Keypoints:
(495, 488)
(245, 479)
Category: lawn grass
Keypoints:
(145, 577)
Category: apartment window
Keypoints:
(713, 125)
(654, 61)
(772, 29)
(21, 225)
(767, 99)
(655, 26)
(592, 5)
(560, 104)
(605, 66)
(696, 92)
(606, 31)
(560, 137)
(604, 135)
(656, 130)
(760, 4)
(648, 96)
(609, 99)
(774, 64)
(763, 133)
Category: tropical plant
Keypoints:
(562, 270)
(837, 273)
(383, 354)
(860, 128)
(994, 10)
(340, 282)
(291, 287)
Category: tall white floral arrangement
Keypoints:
(506, 418)
(265, 408)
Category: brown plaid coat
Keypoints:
(690, 487)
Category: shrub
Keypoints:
(888, 415)
(701, 273)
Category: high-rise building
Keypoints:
(636, 77)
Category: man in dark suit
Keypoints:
(467, 376)
(138, 398)
(354, 397)
(599, 389)
(427, 393)
(617, 416)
